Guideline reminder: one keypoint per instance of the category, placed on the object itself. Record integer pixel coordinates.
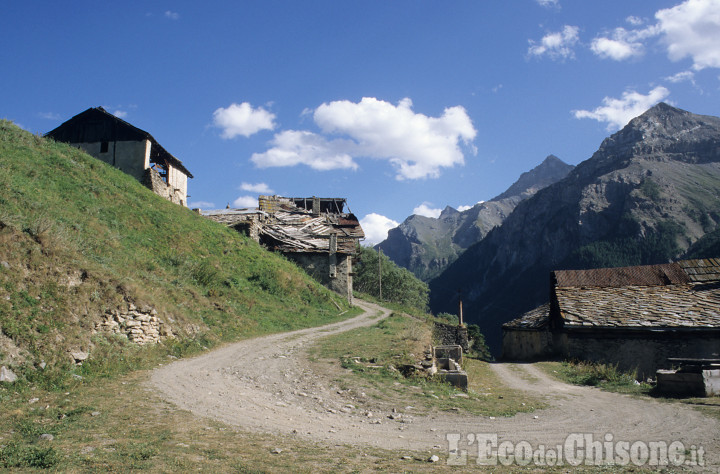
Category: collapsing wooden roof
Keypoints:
(679, 295)
(299, 224)
(309, 225)
(97, 125)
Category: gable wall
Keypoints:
(177, 180)
(319, 266)
(131, 157)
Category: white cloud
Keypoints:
(50, 115)
(201, 205)
(120, 114)
(172, 15)
(682, 77)
(424, 209)
(615, 49)
(291, 147)
(618, 112)
(622, 44)
(245, 202)
(692, 29)
(558, 45)
(242, 119)
(376, 228)
(260, 188)
(417, 146)
(465, 208)
(548, 3)
(634, 20)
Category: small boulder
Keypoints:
(79, 356)
(7, 375)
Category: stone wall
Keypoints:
(331, 270)
(449, 334)
(156, 184)
(140, 325)
(526, 345)
(646, 352)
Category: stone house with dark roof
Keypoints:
(635, 317)
(318, 234)
(126, 147)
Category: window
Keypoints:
(104, 147)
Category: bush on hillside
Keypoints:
(398, 284)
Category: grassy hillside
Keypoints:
(79, 239)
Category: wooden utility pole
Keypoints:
(460, 300)
(380, 272)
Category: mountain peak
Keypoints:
(664, 127)
(550, 159)
(662, 108)
(661, 114)
(552, 169)
(448, 211)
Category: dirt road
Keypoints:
(267, 384)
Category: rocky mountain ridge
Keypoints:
(645, 196)
(427, 245)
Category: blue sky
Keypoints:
(400, 106)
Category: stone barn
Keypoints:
(635, 317)
(316, 233)
(133, 151)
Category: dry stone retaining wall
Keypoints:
(140, 325)
(449, 334)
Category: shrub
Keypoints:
(593, 373)
(24, 455)
(398, 284)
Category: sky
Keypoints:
(402, 107)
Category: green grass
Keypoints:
(608, 378)
(605, 376)
(79, 238)
(372, 356)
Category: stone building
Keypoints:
(635, 317)
(134, 151)
(316, 233)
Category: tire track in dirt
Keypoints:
(268, 385)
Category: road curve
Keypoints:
(266, 384)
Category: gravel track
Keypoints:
(268, 385)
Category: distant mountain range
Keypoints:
(427, 245)
(647, 195)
